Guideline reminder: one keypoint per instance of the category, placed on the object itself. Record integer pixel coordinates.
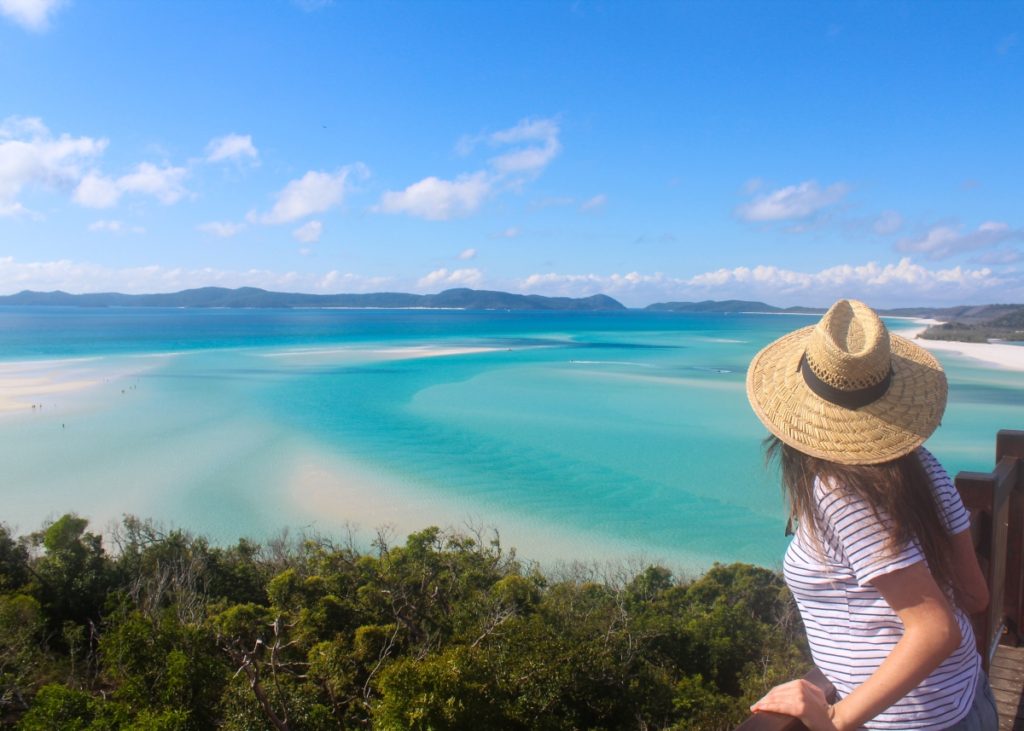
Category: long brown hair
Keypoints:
(900, 490)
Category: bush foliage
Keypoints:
(166, 632)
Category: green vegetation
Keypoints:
(978, 324)
(965, 332)
(168, 633)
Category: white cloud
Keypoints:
(231, 147)
(571, 285)
(315, 192)
(467, 254)
(335, 282)
(528, 130)
(31, 156)
(903, 283)
(309, 233)
(166, 184)
(940, 242)
(903, 279)
(223, 229)
(457, 278)
(97, 191)
(596, 203)
(888, 222)
(31, 14)
(115, 227)
(541, 136)
(76, 276)
(536, 144)
(792, 202)
(436, 199)
(511, 232)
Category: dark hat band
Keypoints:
(847, 399)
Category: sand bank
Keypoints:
(1000, 355)
(336, 490)
(30, 384)
(357, 355)
(43, 384)
(430, 351)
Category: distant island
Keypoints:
(244, 297)
(729, 306)
(979, 324)
(964, 323)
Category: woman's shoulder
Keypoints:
(931, 463)
(950, 505)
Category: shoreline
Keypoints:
(994, 355)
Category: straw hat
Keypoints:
(846, 390)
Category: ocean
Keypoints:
(596, 437)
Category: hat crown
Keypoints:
(849, 349)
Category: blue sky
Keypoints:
(782, 151)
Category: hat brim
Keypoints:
(894, 425)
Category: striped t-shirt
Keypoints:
(850, 628)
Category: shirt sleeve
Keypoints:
(862, 536)
(951, 507)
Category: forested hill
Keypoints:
(468, 299)
(723, 306)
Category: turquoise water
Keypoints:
(588, 436)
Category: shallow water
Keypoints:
(577, 436)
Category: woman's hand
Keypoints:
(799, 698)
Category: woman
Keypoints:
(882, 566)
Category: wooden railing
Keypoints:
(996, 502)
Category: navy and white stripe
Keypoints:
(850, 627)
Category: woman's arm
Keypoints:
(971, 588)
(930, 634)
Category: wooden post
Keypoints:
(978, 491)
(1010, 443)
(988, 495)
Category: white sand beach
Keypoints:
(30, 385)
(1000, 355)
(44, 384)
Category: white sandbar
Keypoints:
(31, 385)
(1001, 355)
(329, 356)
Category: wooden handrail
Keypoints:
(996, 503)
(1010, 443)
